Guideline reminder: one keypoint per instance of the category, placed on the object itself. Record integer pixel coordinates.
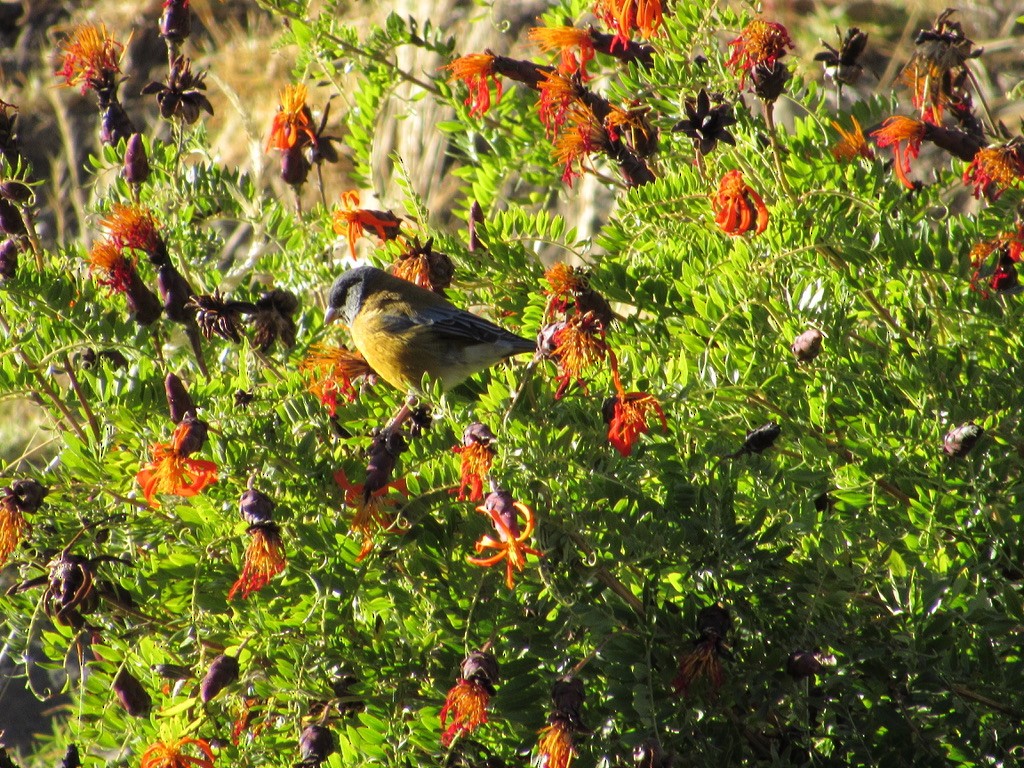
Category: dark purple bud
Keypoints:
(420, 421)
(803, 664)
(193, 437)
(71, 758)
(133, 697)
(28, 494)
(115, 124)
(15, 191)
(761, 439)
(176, 21)
(175, 293)
(9, 250)
(294, 166)
(316, 744)
(143, 305)
(567, 698)
(11, 221)
(387, 446)
(222, 673)
(960, 441)
(502, 504)
(713, 622)
(179, 402)
(481, 667)
(257, 508)
(807, 345)
(136, 165)
(478, 433)
(476, 218)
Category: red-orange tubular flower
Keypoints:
(264, 559)
(512, 540)
(567, 41)
(109, 266)
(994, 170)
(293, 121)
(760, 44)
(12, 522)
(904, 135)
(350, 220)
(622, 16)
(852, 144)
(477, 453)
(466, 705)
(555, 746)
(331, 373)
(474, 70)
(627, 414)
(91, 58)
(738, 208)
(557, 93)
(169, 754)
(133, 226)
(171, 471)
(576, 345)
(372, 511)
(582, 136)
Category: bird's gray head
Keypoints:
(347, 294)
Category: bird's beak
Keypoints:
(330, 315)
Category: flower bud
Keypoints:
(770, 80)
(115, 124)
(294, 166)
(175, 293)
(316, 744)
(133, 697)
(15, 191)
(807, 345)
(11, 221)
(257, 508)
(502, 503)
(176, 21)
(960, 441)
(478, 433)
(761, 439)
(223, 671)
(476, 218)
(481, 667)
(9, 250)
(713, 621)
(179, 402)
(803, 664)
(193, 437)
(384, 452)
(136, 165)
(567, 698)
(28, 494)
(143, 305)
(71, 758)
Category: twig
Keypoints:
(77, 388)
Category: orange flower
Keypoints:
(466, 704)
(12, 526)
(566, 283)
(350, 220)
(132, 226)
(293, 121)
(702, 662)
(171, 471)
(565, 40)
(895, 131)
(511, 542)
(995, 169)
(331, 372)
(557, 93)
(924, 76)
(626, 415)
(623, 15)
(760, 44)
(476, 463)
(575, 345)
(853, 144)
(633, 127)
(372, 510)
(109, 267)
(168, 755)
(555, 747)
(264, 559)
(473, 70)
(738, 207)
(1008, 247)
(91, 58)
(580, 138)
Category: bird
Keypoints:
(405, 331)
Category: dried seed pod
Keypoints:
(223, 672)
(803, 664)
(294, 166)
(960, 441)
(316, 743)
(136, 165)
(28, 494)
(133, 697)
(256, 508)
(807, 345)
(179, 402)
(387, 446)
(71, 758)
(478, 433)
(770, 80)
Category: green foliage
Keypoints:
(854, 537)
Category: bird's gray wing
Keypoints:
(453, 323)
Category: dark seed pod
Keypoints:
(384, 452)
(194, 437)
(222, 673)
(960, 441)
(11, 222)
(136, 165)
(294, 166)
(316, 744)
(15, 191)
(713, 621)
(71, 758)
(133, 697)
(807, 345)
(179, 402)
(803, 664)
(28, 494)
(175, 293)
(478, 433)
(257, 508)
(761, 439)
(176, 21)
(481, 667)
(567, 697)
(9, 250)
(770, 80)
(143, 305)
